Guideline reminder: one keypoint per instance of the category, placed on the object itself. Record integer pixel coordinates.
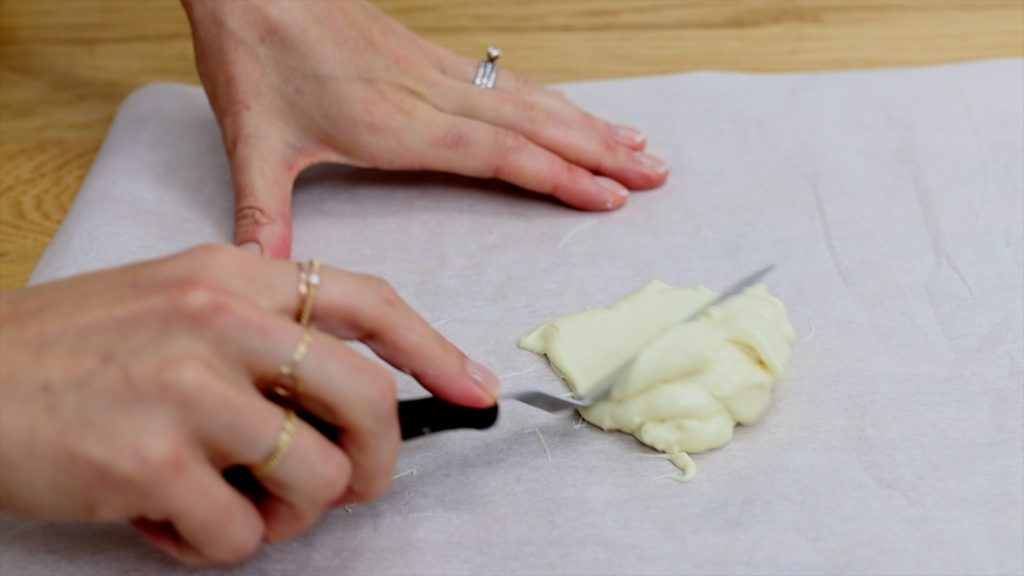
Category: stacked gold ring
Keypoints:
(309, 285)
(284, 443)
(287, 383)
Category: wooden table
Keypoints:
(66, 64)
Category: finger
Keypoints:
(235, 425)
(560, 128)
(349, 306)
(627, 136)
(312, 474)
(263, 176)
(338, 385)
(369, 309)
(474, 148)
(366, 308)
(358, 396)
(463, 70)
(206, 520)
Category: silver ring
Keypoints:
(487, 71)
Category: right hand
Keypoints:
(125, 393)
(299, 83)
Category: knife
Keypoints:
(429, 415)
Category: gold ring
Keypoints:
(309, 284)
(284, 442)
(288, 383)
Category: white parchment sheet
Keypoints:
(891, 202)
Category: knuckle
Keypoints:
(125, 477)
(378, 394)
(567, 179)
(208, 261)
(454, 139)
(526, 83)
(156, 461)
(333, 477)
(507, 145)
(110, 478)
(612, 149)
(383, 411)
(598, 124)
(252, 216)
(614, 156)
(381, 111)
(201, 301)
(383, 292)
(381, 389)
(186, 385)
(510, 142)
(210, 254)
(533, 115)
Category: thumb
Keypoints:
(263, 179)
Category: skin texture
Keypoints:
(299, 83)
(125, 393)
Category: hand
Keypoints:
(124, 394)
(298, 83)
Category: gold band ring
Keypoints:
(284, 442)
(288, 383)
(309, 284)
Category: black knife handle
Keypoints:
(424, 416)
(415, 417)
(429, 415)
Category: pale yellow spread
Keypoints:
(688, 389)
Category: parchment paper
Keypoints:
(891, 202)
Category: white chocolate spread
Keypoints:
(688, 389)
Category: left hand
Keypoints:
(299, 83)
(125, 393)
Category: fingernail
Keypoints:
(612, 186)
(484, 378)
(629, 135)
(652, 163)
(252, 247)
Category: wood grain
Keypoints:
(66, 64)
